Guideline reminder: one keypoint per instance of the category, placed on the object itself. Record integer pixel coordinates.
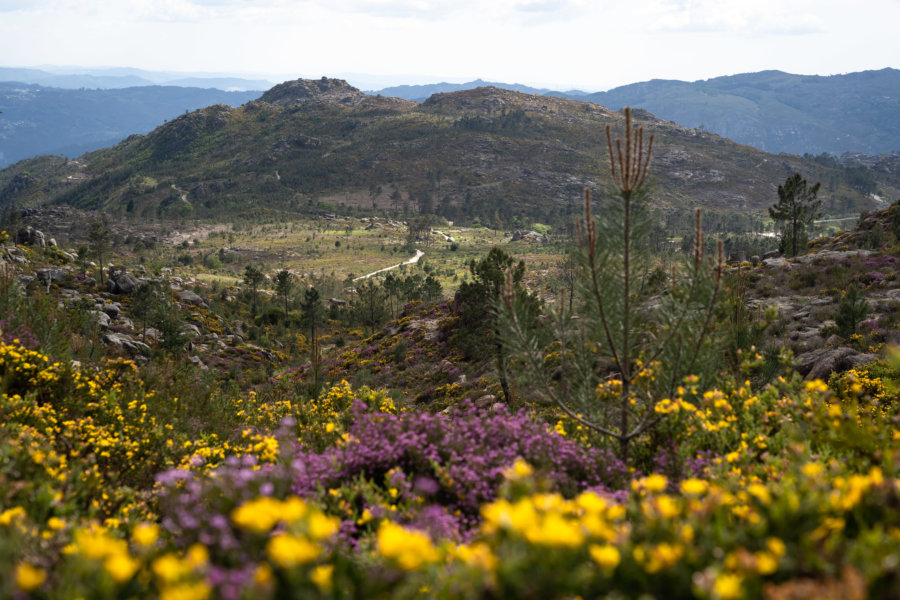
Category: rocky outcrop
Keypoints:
(529, 236)
(821, 363)
(121, 281)
(307, 91)
(31, 236)
(192, 298)
(52, 275)
(124, 342)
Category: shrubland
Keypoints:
(323, 452)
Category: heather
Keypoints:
(762, 491)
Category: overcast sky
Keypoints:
(561, 44)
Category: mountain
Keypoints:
(770, 110)
(43, 120)
(115, 78)
(420, 93)
(776, 111)
(486, 153)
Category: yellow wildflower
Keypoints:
(652, 483)
(198, 590)
(121, 567)
(322, 577)
(518, 470)
(728, 586)
(289, 551)
(812, 469)
(145, 534)
(766, 564)
(694, 486)
(607, 556)
(408, 548)
(29, 578)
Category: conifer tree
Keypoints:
(99, 235)
(254, 278)
(613, 359)
(284, 283)
(312, 313)
(797, 208)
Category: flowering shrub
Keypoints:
(789, 491)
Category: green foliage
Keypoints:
(895, 221)
(148, 302)
(400, 290)
(284, 283)
(796, 209)
(165, 319)
(212, 261)
(478, 328)
(609, 365)
(370, 305)
(253, 277)
(852, 309)
(100, 237)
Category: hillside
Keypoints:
(484, 154)
(779, 112)
(38, 120)
(770, 110)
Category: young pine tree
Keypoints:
(619, 353)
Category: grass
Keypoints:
(316, 248)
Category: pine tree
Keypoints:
(852, 309)
(797, 208)
(479, 334)
(608, 363)
(254, 278)
(312, 312)
(100, 237)
(284, 283)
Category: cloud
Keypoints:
(754, 17)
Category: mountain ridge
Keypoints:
(487, 153)
(770, 110)
(36, 119)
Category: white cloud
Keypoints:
(735, 16)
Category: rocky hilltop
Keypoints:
(302, 91)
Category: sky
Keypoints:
(559, 44)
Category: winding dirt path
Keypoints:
(411, 261)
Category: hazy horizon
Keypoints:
(591, 45)
(363, 81)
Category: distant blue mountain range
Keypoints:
(35, 119)
(771, 110)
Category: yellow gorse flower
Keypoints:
(409, 549)
(28, 577)
(289, 551)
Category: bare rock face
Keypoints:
(52, 275)
(529, 236)
(121, 281)
(124, 342)
(308, 91)
(31, 236)
(821, 363)
(189, 297)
